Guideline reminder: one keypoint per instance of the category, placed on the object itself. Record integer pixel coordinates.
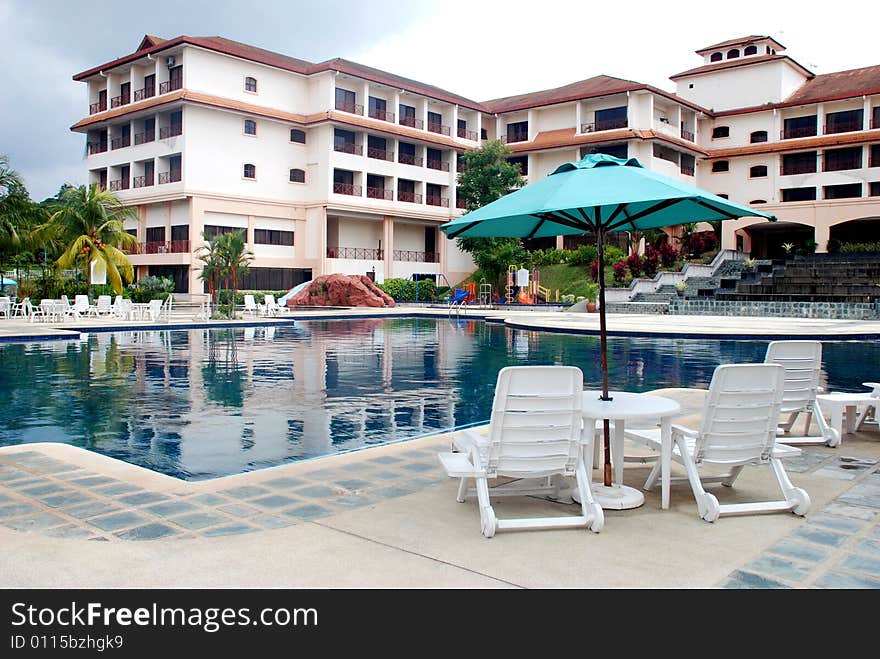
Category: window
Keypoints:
(377, 147)
(688, 164)
(345, 101)
(799, 127)
(297, 135)
(611, 118)
(758, 171)
(250, 127)
(733, 53)
(406, 154)
(523, 162)
(435, 123)
(250, 85)
(750, 50)
(179, 232)
(155, 234)
(211, 231)
(518, 131)
(758, 201)
(485, 136)
(297, 176)
(378, 109)
(665, 153)
(799, 194)
(843, 122)
(720, 131)
(250, 171)
(720, 166)
(758, 136)
(799, 163)
(874, 188)
(273, 237)
(874, 160)
(716, 57)
(845, 191)
(408, 116)
(835, 160)
(616, 150)
(875, 117)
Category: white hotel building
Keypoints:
(338, 167)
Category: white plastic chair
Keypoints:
(272, 307)
(534, 432)
(869, 413)
(80, 306)
(121, 308)
(102, 307)
(802, 361)
(153, 311)
(5, 306)
(738, 429)
(250, 305)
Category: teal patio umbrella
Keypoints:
(598, 194)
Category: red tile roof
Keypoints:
(744, 61)
(742, 41)
(601, 85)
(840, 84)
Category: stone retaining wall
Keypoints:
(858, 311)
(637, 307)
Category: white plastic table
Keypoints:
(625, 406)
(844, 406)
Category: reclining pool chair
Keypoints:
(802, 361)
(738, 429)
(534, 432)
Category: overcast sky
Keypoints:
(480, 49)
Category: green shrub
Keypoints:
(404, 290)
(583, 255)
(151, 288)
(549, 257)
(855, 248)
(567, 299)
(613, 254)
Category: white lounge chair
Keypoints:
(271, 307)
(869, 413)
(5, 306)
(103, 307)
(534, 432)
(154, 310)
(802, 361)
(80, 306)
(121, 308)
(250, 306)
(738, 429)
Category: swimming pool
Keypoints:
(199, 404)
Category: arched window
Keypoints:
(250, 171)
(758, 201)
(250, 84)
(297, 135)
(720, 166)
(716, 57)
(720, 131)
(250, 127)
(297, 176)
(758, 171)
(731, 54)
(750, 50)
(758, 136)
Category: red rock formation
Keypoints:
(342, 291)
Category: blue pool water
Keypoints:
(199, 404)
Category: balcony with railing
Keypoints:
(466, 134)
(120, 142)
(408, 159)
(382, 115)
(515, 136)
(169, 177)
(173, 130)
(97, 147)
(796, 132)
(380, 154)
(146, 92)
(410, 197)
(412, 122)
(605, 124)
(359, 253)
(794, 168)
(164, 247)
(348, 147)
(687, 135)
(437, 200)
(347, 188)
(146, 136)
(351, 108)
(100, 106)
(842, 127)
(416, 257)
(438, 128)
(439, 165)
(461, 203)
(170, 85)
(122, 99)
(380, 193)
(120, 184)
(142, 181)
(687, 170)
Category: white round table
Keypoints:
(625, 406)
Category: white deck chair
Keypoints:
(534, 432)
(869, 413)
(121, 308)
(738, 429)
(803, 365)
(153, 311)
(102, 307)
(250, 306)
(80, 306)
(5, 306)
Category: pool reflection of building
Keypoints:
(336, 386)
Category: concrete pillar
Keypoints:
(866, 114)
(533, 120)
(453, 128)
(560, 242)
(443, 250)
(820, 118)
(395, 106)
(249, 233)
(577, 117)
(365, 94)
(388, 245)
(821, 234)
(499, 127)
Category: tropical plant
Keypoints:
(750, 263)
(620, 271)
(89, 227)
(235, 259)
(18, 216)
(209, 255)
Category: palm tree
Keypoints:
(89, 225)
(235, 260)
(211, 266)
(17, 213)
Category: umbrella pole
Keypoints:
(603, 347)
